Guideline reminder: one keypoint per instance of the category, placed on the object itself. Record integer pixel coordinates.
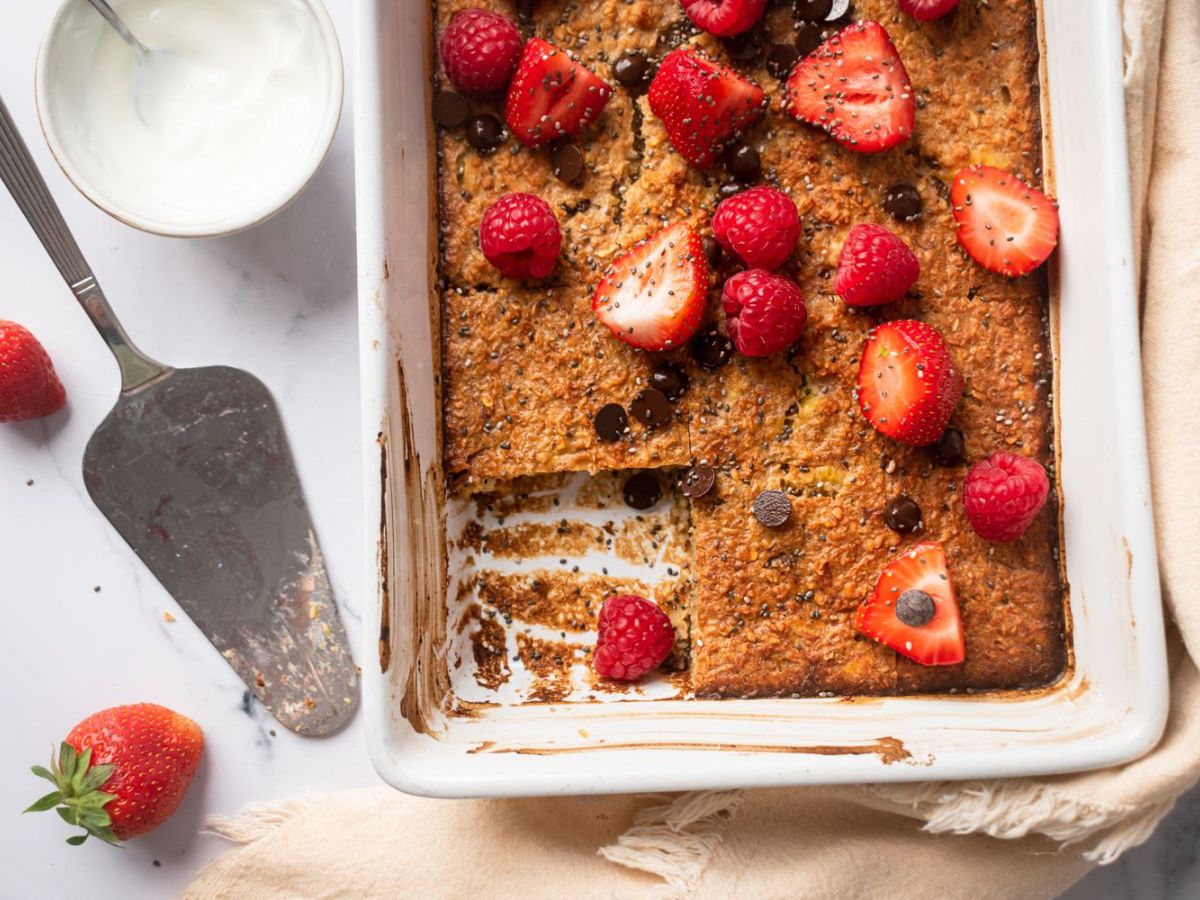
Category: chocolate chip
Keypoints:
(742, 162)
(780, 60)
(610, 422)
(632, 71)
(485, 133)
(841, 12)
(742, 47)
(642, 491)
(450, 109)
(698, 481)
(902, 515)
(671, 380)
(808, 38)
(951, 448)
(903, 202)
(651, 407)
(772, 508)
(567, 162)
(915, 608)
(711, 349)
(813, 10)
(712, 250)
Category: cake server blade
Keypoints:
(193, 469)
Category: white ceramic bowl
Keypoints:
(295, 173)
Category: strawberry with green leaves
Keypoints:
(122, 772)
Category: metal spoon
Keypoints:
(122, 29)
(194, 470)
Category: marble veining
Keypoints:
(87, 626)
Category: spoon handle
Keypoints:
(122, 29)
(20, 175)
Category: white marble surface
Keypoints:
(83, 621)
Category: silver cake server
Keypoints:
(193, 468)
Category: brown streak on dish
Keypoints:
(385, 598)
(889, 749)
(428, 679)
(1080, 689)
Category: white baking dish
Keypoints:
(1110, 708)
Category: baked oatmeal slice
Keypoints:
(775, 605)
(525, 372)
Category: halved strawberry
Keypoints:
(908, 385)
(552, 95)
(1006, 225)
(914, 609)
(653, 296)
(854, 86)
(702, 105)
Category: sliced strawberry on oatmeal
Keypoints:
(1003, 223)
(552, 95)
(653, 296)
(855, 87)
(914, 609)
(908, 384)
(702, 104)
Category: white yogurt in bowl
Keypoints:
(219, 127)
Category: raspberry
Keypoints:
(760, 225)
(724, 18)
(480, 50)
(874, 267)
(764, 313)
(927, 10)
(635, 637)
(519, 235)
(1003, 494)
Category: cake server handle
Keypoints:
(20, 175)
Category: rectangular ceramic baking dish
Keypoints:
(1109, 708)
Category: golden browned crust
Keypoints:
(774, 607)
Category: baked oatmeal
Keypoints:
(851, 402)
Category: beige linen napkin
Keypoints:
(868, 842)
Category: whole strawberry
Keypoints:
(123, 771)
(874, 267)
(1003, 494)
(764, 312)
(635, 637)
(520, 236)
(480, 50)
(29, 386)
(760, 225)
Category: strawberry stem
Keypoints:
(77, 797)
